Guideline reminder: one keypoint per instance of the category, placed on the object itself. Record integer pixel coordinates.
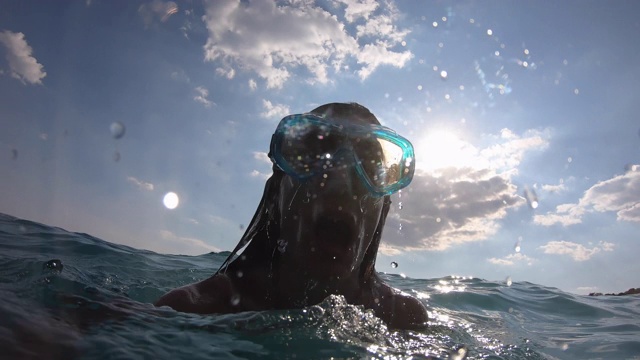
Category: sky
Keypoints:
(523, 115)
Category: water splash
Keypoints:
(117, 129)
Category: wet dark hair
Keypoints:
(262, 234)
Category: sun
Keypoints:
(443, 148)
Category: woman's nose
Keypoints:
(343, 178)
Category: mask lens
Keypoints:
(380, 159)
(307, 147)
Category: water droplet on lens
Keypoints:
(459, 354)
(171, 200)
(54, 264)
(282, 245)
(117, 129)
(235, 300)
(394, 264)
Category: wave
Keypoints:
(71, 295)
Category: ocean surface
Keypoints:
(67, 295)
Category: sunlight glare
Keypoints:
(442, 148)
(171, 200)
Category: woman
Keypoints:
(317, 229)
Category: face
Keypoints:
(327, 221)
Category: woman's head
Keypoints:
(324, 207)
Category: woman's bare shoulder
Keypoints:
(400, 310)
(212, 295)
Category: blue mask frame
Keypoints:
(350, 132)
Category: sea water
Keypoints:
(67, 295)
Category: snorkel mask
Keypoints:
(306, 145)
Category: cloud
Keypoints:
(577, 251)
(586, 289)
(273, 39)
(252, 84)
(456, 206)
(180, 76)
(504, 155)
(620, 194)
(140, 184)
(170, 243)
(157, 9)
(509, 153)
(554, 188)
(461, 194)
(229, 73)
(22, 64)
(202, 96)
(512, 259)
(274, 111)
(358, 8)
(263, 159)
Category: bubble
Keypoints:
(117, 129)
(531, 197)
(496, 53)
(171, 200)
(565, 62)
(444, 18)
(235, 300)
(399, 98)
(239, 274)
(569, 159)
(419, 87)
(516, 248)
(565, 346)
(526, 51)
(54, 264)
(404, 43)
(438, 220)
(394, 264)
(489, 32)
(435, 24)
(576, 91)
(443, 75)
(400, 205)
(508, 281)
